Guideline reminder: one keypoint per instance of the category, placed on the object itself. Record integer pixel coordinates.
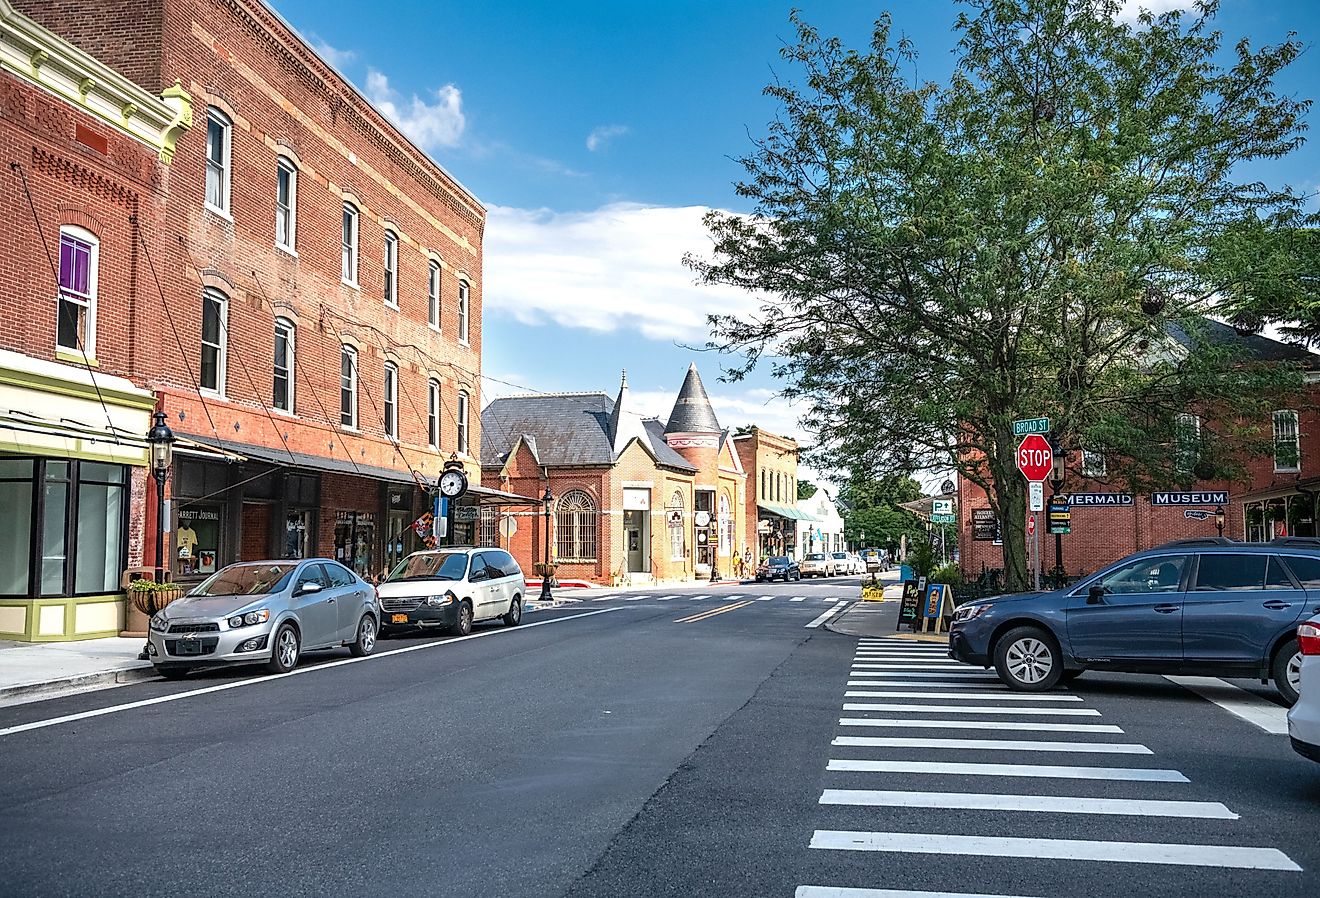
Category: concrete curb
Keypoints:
(26, 692)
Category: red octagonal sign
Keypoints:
(1035, 458)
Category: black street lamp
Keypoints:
(161, 440)
(1219, 519)
(1057, 474)
(546, 501)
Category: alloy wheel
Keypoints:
(287, 647)
(1030, 660)
(1295, 672)
(367, 634)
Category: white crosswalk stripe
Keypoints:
(928, 675)
(764, 598)
(698, 598)
(1081, 748)
(926, 684)
(798, 599)
(1032, 726)
(1004, 696)
(974, 709)
(1032, 771)
(665, 598)
(833, 892)
(1049, 804)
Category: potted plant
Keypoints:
(148, 596)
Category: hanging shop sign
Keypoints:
(1197, 514)
(1216, 497)
(1122, 500)
(466, 512)
(985, 526)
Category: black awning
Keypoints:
(301, 460)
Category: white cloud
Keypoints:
(616, 267)
(603, 134)
(1131, 9)
(336, 57)
(430, 125)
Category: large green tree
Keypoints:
(873, 515)
(1043, 234)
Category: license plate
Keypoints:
(398, 618)
(187, 648)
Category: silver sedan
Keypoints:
(265, 612)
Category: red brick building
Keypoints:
(1278, 496)
(286, 276)
(772, 514)
(634, 498)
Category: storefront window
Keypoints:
(15, 540)
(297, 532)
(197, 539)
(54, 553)
(101, 504)
(355, 537)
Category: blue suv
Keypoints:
(1197, 606)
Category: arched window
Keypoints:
(725, 521)
(286, 203)
(391, 411)
(433, 295)
(218, 131)
(348, 238)
(463, 311)
(674, 514)
(390, 261)
(284, 364)
(75, 320)
(575, 527)
(463, 421)
(215, 309)
(348, 377)
(433, 413)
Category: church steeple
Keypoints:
(625, 422)
(692, 411)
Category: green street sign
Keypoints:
(943, 519)
(1031, 425)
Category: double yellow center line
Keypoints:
(694, 618)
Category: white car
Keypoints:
(1304, 717)
(817, 564)
(843, 563)
(450, 589)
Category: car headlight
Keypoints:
(260, 616)
(967, 612)
(445, 599)
(159, 623)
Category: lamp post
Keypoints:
(1057, 472)
(1219, 519)
(546, 501)
(161, 440)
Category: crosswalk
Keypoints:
(724, 597)
(950, 763)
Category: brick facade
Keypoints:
(770, 461)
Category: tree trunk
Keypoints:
(1011, 506)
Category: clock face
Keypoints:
(453, 483)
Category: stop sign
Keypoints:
(1031, 525)
(1035, 458)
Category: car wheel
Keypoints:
(1286, 671)
(796, 577)
(1027, 659)
(464, 625)
(285, 650)
(365, 643)
(514, 617)
(172, 673)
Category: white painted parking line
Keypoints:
(1045, 804)
(1030, 726)
(765, 598)
(1032, 771)
(1230, 856)
(1255, 710)
(927, 675)
(925, 684)
(826, 616)
(832, 892)
(974, 709)
(1004, 696)
(798, 599)
(1081, 748)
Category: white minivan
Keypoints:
(450, 589)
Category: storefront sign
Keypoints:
(1117, 499)
(907, 607)
(1218, 497)
(985, 526)
(676, 518)
(636, 500)
(466, 512)
(1060, 515)
(1196, 514)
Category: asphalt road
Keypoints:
(654, 743)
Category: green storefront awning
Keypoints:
(784, 511)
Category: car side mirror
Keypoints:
(1096, 596)
(309, 587)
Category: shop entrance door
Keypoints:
(637, 539)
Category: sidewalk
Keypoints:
(877, 619)
(30, 672)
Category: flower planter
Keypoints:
(149, 601)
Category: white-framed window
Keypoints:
(284, 365)
(75, 315)
(433, 413)
(286, 204)
(348, 384)
(391, 401)
(215, 314)
(348, 261)
(1287, 443)
(1093, 464)
(219, 131)
(433, 295)
(463, 421)
(391, 261)
(463, 311)
(1188, 430)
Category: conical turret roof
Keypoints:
(692, 411)
(625, 422)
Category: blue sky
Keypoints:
(598, 133)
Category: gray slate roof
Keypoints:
(692, 411)
(1249, 346)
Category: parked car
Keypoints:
(1202, 606)
(451, 589)
(817, 564)
(874, 556)
(843, 563)
(1304, 716)
(265, 612)
(777, 566)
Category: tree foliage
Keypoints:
(1044, 234)
(871, 507)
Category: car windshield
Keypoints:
(246, 580)
(843, 555)
(430, 566)
(778, 559)
(815, 556)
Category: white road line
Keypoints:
(271, 678)
(1081, 748)
(975, 709)
(1261, 712)
(765, 598)
(603, 598)
(925, 684)
(1004, 696)
(827, 615)
(1030, 726)
(1046, 804)
(1233, 856)
(1033, 771)
(798, 599)
(885, 668)
(697, 598)
(666, 598)
(832, 892)
(634, 598)
(906, 659)
(942, 675)
(902, 644)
